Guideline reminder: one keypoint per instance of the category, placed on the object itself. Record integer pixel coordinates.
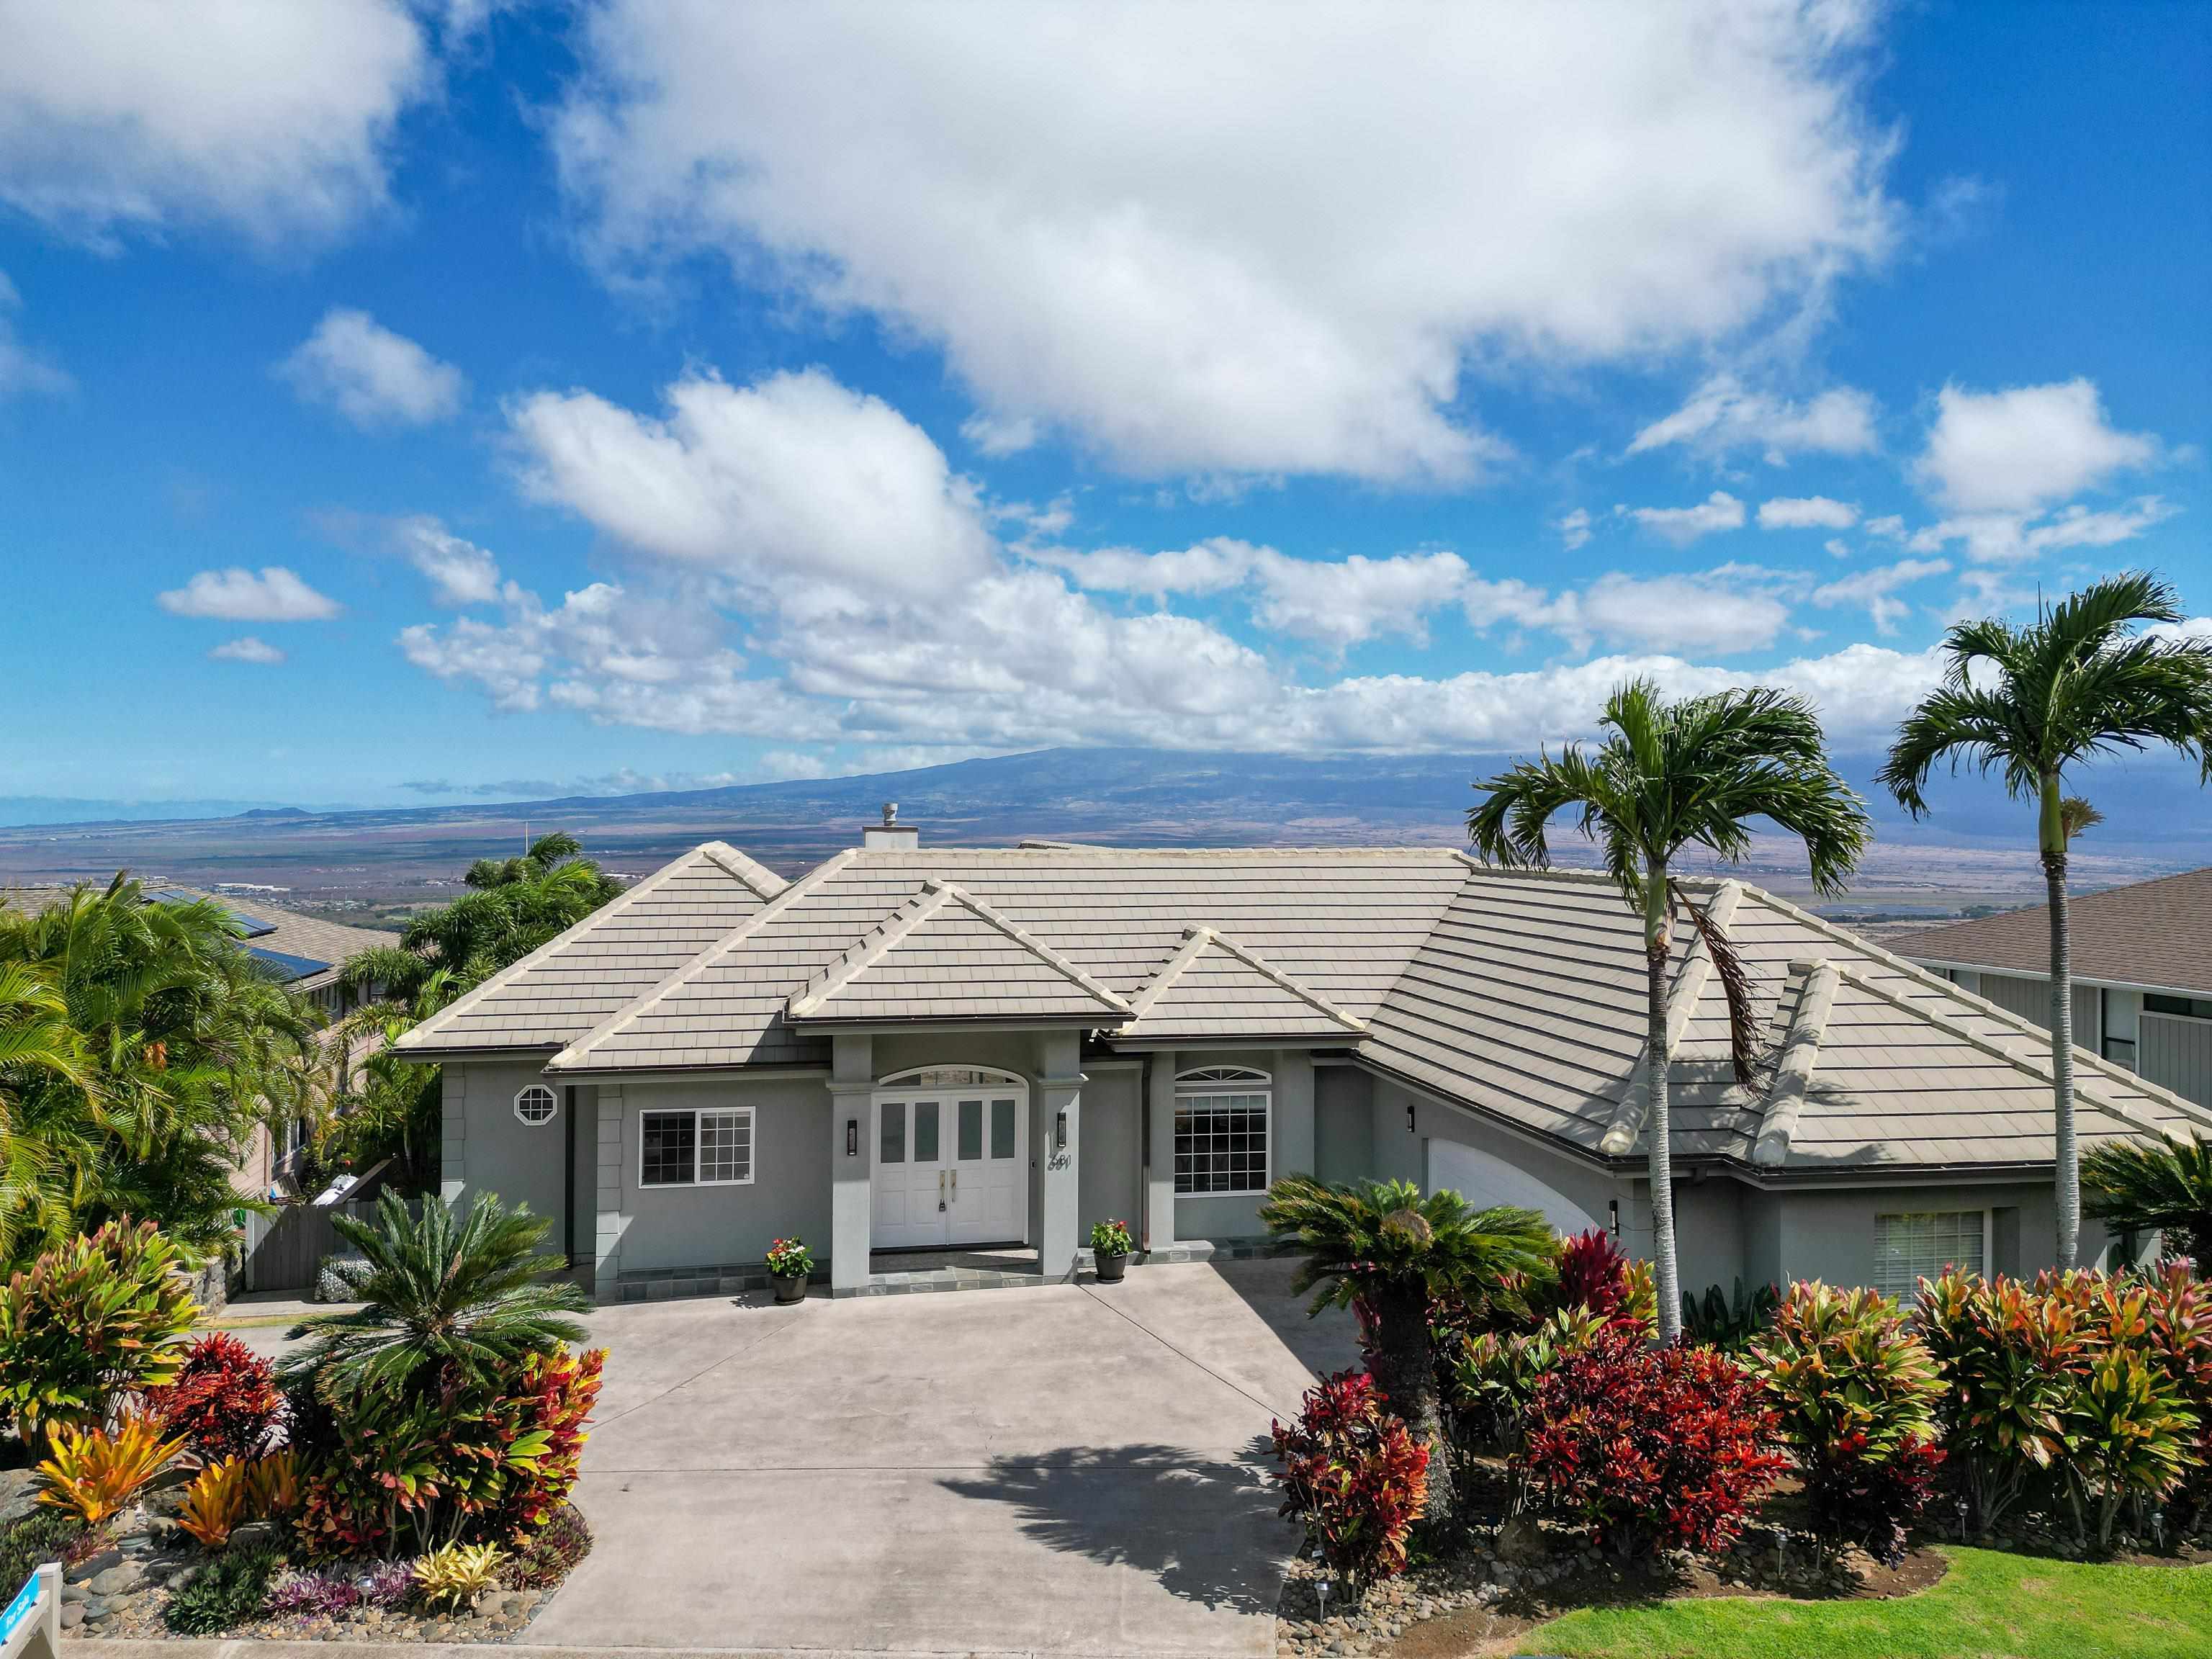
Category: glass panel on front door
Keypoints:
(935, 1183)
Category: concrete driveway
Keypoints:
(1067, 1470)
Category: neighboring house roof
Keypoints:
(2155, 933)
(1517, 994)
(306, 951)
(578, 978)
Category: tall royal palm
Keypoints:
(1668, 776)
(2032, 702)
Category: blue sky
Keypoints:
(415, 402)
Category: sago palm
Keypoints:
(2031, 703)
(1384, 1246)
(2136, 1189)
(1668, 776)
(440, 1292)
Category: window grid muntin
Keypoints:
(696, 1146)
(1221, 1142)
(1920, 1244)
(536, 1104)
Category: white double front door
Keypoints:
(951, 1163)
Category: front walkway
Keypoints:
(1081, 1470)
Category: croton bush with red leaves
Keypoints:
(224, 1402)
(1651, 1447)
(1354, 1474)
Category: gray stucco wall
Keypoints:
(699, 1227)
(1112, 1146)
(522, 1162)
(1344, 1128)
(1830, 1235)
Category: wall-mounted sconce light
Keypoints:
(1613, 1212)
(1409, 1117)
(1060, 1130)
(851, 1137)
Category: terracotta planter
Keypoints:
(789, 1287)
(1110, 1265)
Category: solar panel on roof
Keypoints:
(252, 926)
(292, 967)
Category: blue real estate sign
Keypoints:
(25, 1604)
(27, 1623)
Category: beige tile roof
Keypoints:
(1212, 986)
(568, 985)
(2157, 933)
(947, 955)
(1518, 994)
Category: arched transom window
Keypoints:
(1221, 1130)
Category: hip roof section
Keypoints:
(2157, 933)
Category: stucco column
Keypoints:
(1060, 1122)
(1160, 1187)
(852, 1082)
(1293, 1151)
(606, 1253)
(452, 1133)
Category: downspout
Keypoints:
(569, 1176)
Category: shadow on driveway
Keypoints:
(1189, 1521)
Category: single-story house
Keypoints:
(912, 1048)
(2142, 973)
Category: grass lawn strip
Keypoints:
(1989, 1605)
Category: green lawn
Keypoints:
(1988, 1606)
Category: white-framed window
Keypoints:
(1222, 1114)
(536, 1104)
(710, 1146)
(1909, 1248)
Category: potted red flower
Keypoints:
(789, 1264)
(1110, 1245)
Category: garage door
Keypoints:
(1483, 1180)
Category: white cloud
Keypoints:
(21, 369)
(272, 119)
(1724, 414)
(239, 595)
(992, 436)
(1340, 603)
(1681, 614)
(1806, 513)
(2021, 450)
(2010, 538)
(1891, 524)
(1684, 525)
(1575, 529)
(1198, 241)
(247, 649)
(791, 478)
(1213, 566)
(371, 375)
(1877, 589)
(460, 572)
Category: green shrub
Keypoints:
(43, 1536)
(227, 1592)
(1729, 1322)
(2178, 1314)
(544, 1557)
(93, 1318)
(2010, 1360)
(1858, 1394)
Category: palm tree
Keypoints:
(440, 1293)
(2136, 1189)
(2031, 702)
(1394, 1253)
(1672, 775)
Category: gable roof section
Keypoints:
(1212, 986)
(1340, 921)
(2157, 933)
(576, 979)
(945, 955)
(1529, 1003)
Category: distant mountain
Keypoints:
(19, 811)
(1974, 840)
